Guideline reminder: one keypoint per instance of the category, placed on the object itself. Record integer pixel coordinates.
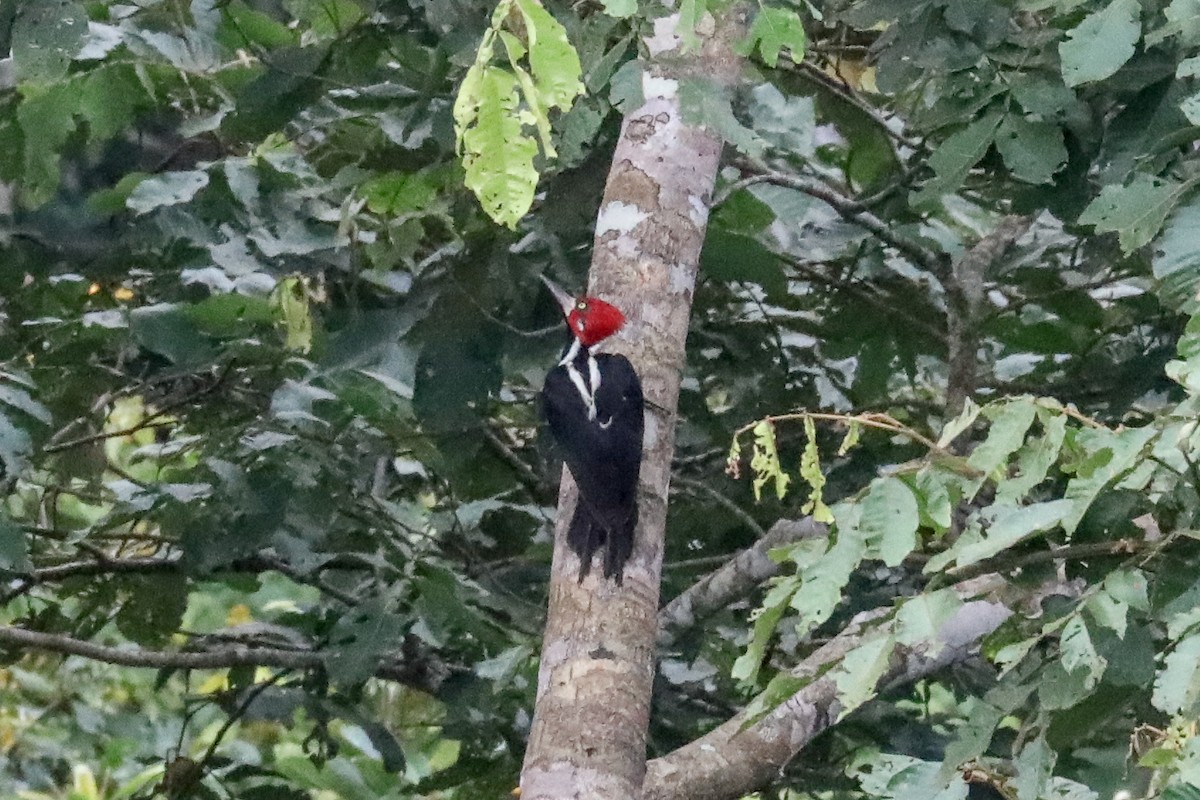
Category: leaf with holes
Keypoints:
(889, 519)
(46, 35)
(1136, 211)
(859, 673)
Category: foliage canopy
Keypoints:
(269, 374)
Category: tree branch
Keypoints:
(596, 674)
(424, 674)
(851, 211)
(734, 760)
(150, 566)
(740, 576)
(965, 292)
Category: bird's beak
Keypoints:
(564, 299)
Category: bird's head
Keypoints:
(591, 320)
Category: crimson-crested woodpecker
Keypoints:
(593, 405)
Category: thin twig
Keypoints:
(850, 210)
(389, 668)
(527, 474)
(874, 419)
(1073, 552)
(723, 501)
(146, 424)
(253, 694)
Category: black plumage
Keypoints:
(601, 443)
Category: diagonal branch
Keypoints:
(736, 759)
(745, 572)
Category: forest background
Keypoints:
(276, 517)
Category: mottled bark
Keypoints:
(965, 294)
(588, 737)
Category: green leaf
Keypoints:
(46, 35)
(736, 257)
(811, 474)
(167, 329)
(1128, 586)
(972, 738)
(498, 156)
(1190, 106)
(1048, 99)
(954, 158)
(18, 398)
(1034, 765)
(704, 102)
(359, 640)
(1101, 44)
(933, 498)
(765, 619)
(1034, 459)
(1008, 526)
(14, 544)
(107, 100)
(825, 577)
(47, 118)
(1109, 613)
(338, 777)
(325, 18)
(920, 619)
(781, 687)
(552, 60)
(788, 123)
(231, 314)
(1177, 685)
(1122, 589)
(1176, 255)
(621, 9)
(1010, 421)
(1033, 151)
(765, 462)
(773, 29)
(168, 189)
(889, 519)
(1135, 212)
(625, 88)
(1078, 652)
(396, 193)
(892, 776)
(1113, 454)
(956, 426)
(153, 609)
(859, 672)
(496, 107)
(258, 27)
(691, 12)
(1183, 20)
(15, 445)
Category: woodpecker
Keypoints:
(593, 405)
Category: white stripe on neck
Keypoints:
(572, 351)
(587, 390)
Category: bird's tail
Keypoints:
(589, 532)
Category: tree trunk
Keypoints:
(589, 727)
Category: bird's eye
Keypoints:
(581, 306)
